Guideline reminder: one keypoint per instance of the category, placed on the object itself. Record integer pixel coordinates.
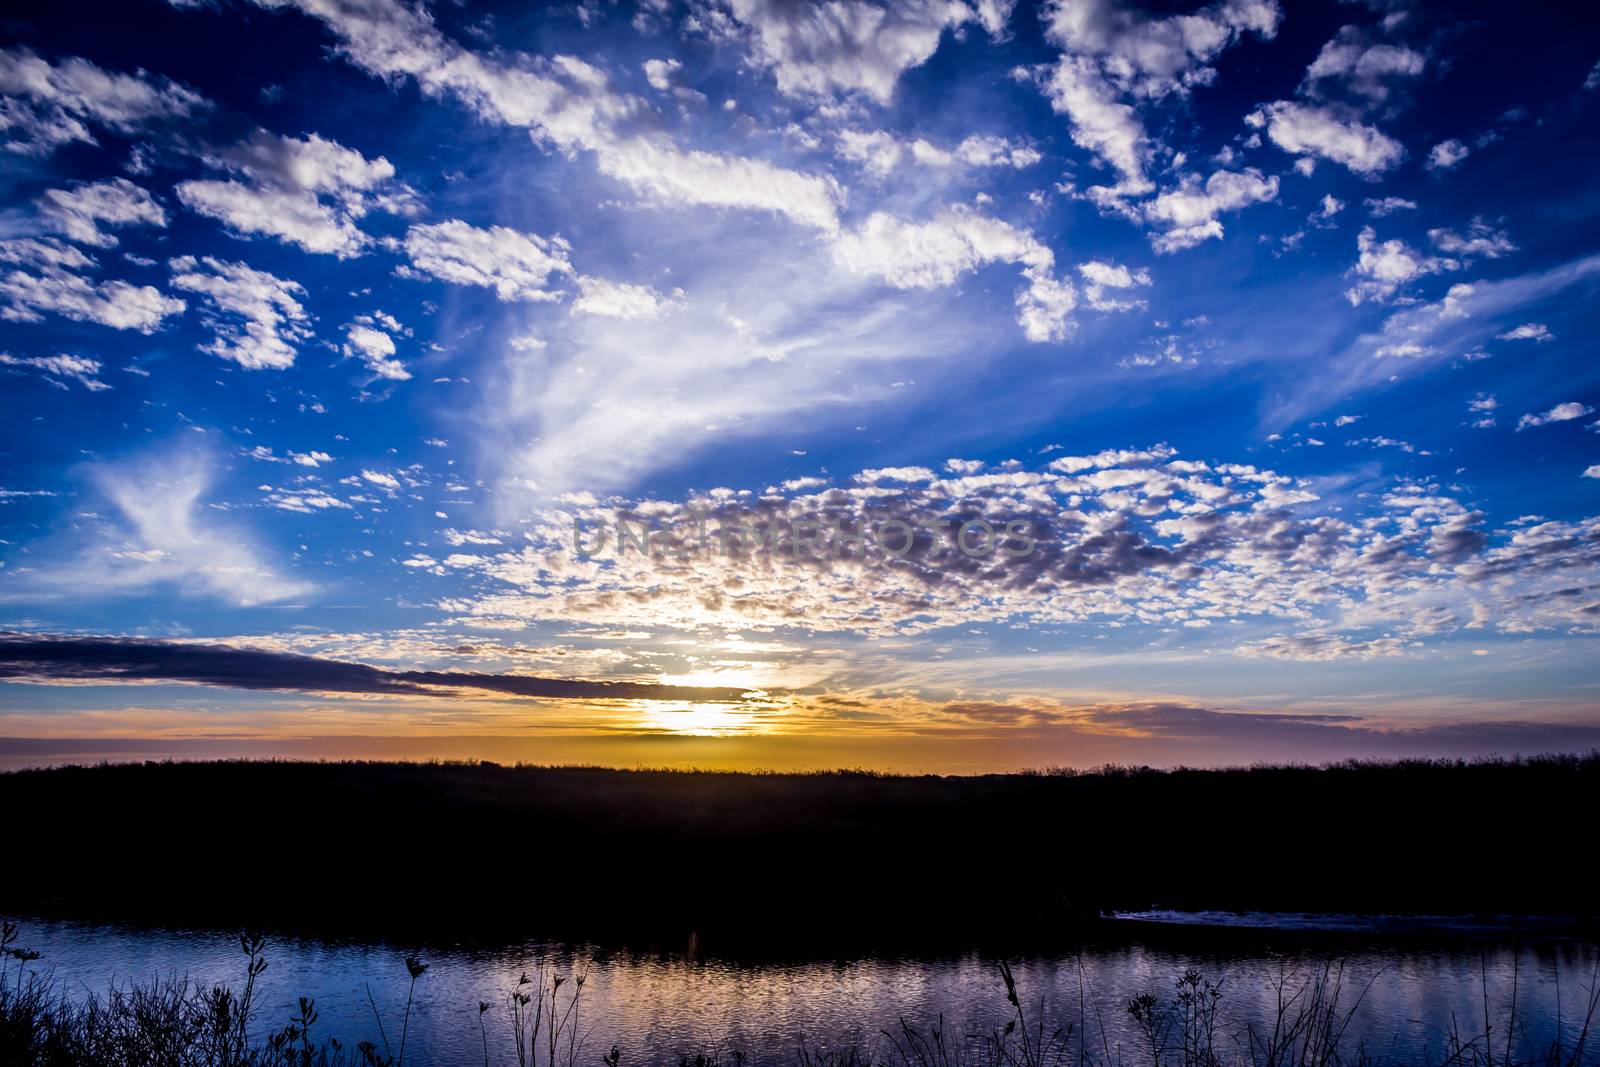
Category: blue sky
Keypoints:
(322, 320)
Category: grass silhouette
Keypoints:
(1307, 1025)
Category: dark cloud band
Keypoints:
(26, 657)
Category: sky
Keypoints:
(948, 385)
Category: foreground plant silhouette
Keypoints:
(1307, 1025)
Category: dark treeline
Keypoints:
(404, 849)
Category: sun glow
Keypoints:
(698, 719)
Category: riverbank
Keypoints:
(461, 850)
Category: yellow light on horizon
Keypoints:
(697, 719)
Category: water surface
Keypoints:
(656, 1006)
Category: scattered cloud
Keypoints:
(306, 192)
(78, 212)
(1323, 131)
(1447, 155)
(256, 318)
(48, 105)
(1566, 412)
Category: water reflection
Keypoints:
(658, 1006)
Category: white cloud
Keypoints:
(1188, 214)
(46, 105)
(162, 532)
(516, 265)
(880, 152)
(81, 369)
(878, 475)
(567, 104)
(1427, 332)
(368, 339)
(1481, 239)
(933, 254)
(76, 213)
(839, 46)
(622, 300)
(1594, 471)
(1152, 57)
(659, 72)
(172, 538)
(1447, 154)
(1113, 55)
(1101, 123)
(256, 317)
(1132, 536)
(1366, 69)
(308, 193)
(54, 286)
(989, 151)
(381, 478)
(1572, 409)
(1100, 277)
(1383, 207)
(1385, 266)
(675, 176)
(1528, 331)
(1308, 130)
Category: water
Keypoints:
(658, 1006)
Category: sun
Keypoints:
(697, 719)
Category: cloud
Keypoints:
(1446, 155)
(879, 475)
(61, 368)
(54, 284)
(1481, 239)
(306, 192)
(1188, 214)
(1572, 409)
(45, 105)
(1428, 332)
(1100, 277)
(1367, 70)
(57, 660)
(622, 300)
(659, 72)
(840, 46)
(1528, 331)
(1134, 536)
(879, 152)
(933, 254)
(675, 176)
(382, 479)
(516, 265)
(1312, 131)
(368, 339)
(77, 212)
(1383, 207)
(162, 534)
(1384, 267)
(256, 317)
(1592, 472)
(569, 105)
(1113, 56)
(1101, 123)
(760, 343)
